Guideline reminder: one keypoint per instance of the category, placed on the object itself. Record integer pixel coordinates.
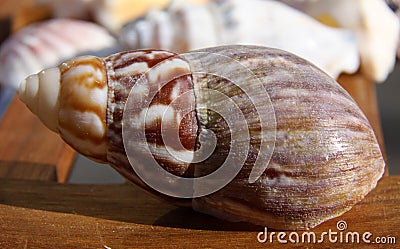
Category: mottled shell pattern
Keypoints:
(325, 159)
(76, 109)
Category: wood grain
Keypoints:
(29, 171)
(25, 139)
(37, 214)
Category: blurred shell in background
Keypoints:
(395, 6)
(112, 14)
(374, 23)
(334, 35)
(47, 43)
(78, 9)
(187, 26)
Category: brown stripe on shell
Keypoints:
(76, 102)
(325, 160)
(186, 126)
(91, 61)
(120, 84)
(150, 57)
(326, 156)
(82, 115)
(163, 97)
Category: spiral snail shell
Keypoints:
(322, 159)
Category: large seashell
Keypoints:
(47, 44)
(184, 27)
(319, 152)
(376, 26)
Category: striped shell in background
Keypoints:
(324, 154)
(110, 14)
(338, 36)
(186, 26)
(48, 43)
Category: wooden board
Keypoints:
(24, 139)
(37, 214)
(25, 170)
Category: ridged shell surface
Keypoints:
(124, 70)
(71, 100)
(83, 105)
(321, 154)
(326, 156)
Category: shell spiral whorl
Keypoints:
(125, 69)
(324, 157)
(72, 100)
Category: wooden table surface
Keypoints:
(28, 150)
(42, 214)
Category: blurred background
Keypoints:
(389, 106)
(87, 171)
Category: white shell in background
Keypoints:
(48, 43)
(186, 26)
(376, 26)
(114, 14)
(398, 42)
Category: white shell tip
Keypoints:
(21, 89)
(48, 92)
(28, 90)
(40, 94)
